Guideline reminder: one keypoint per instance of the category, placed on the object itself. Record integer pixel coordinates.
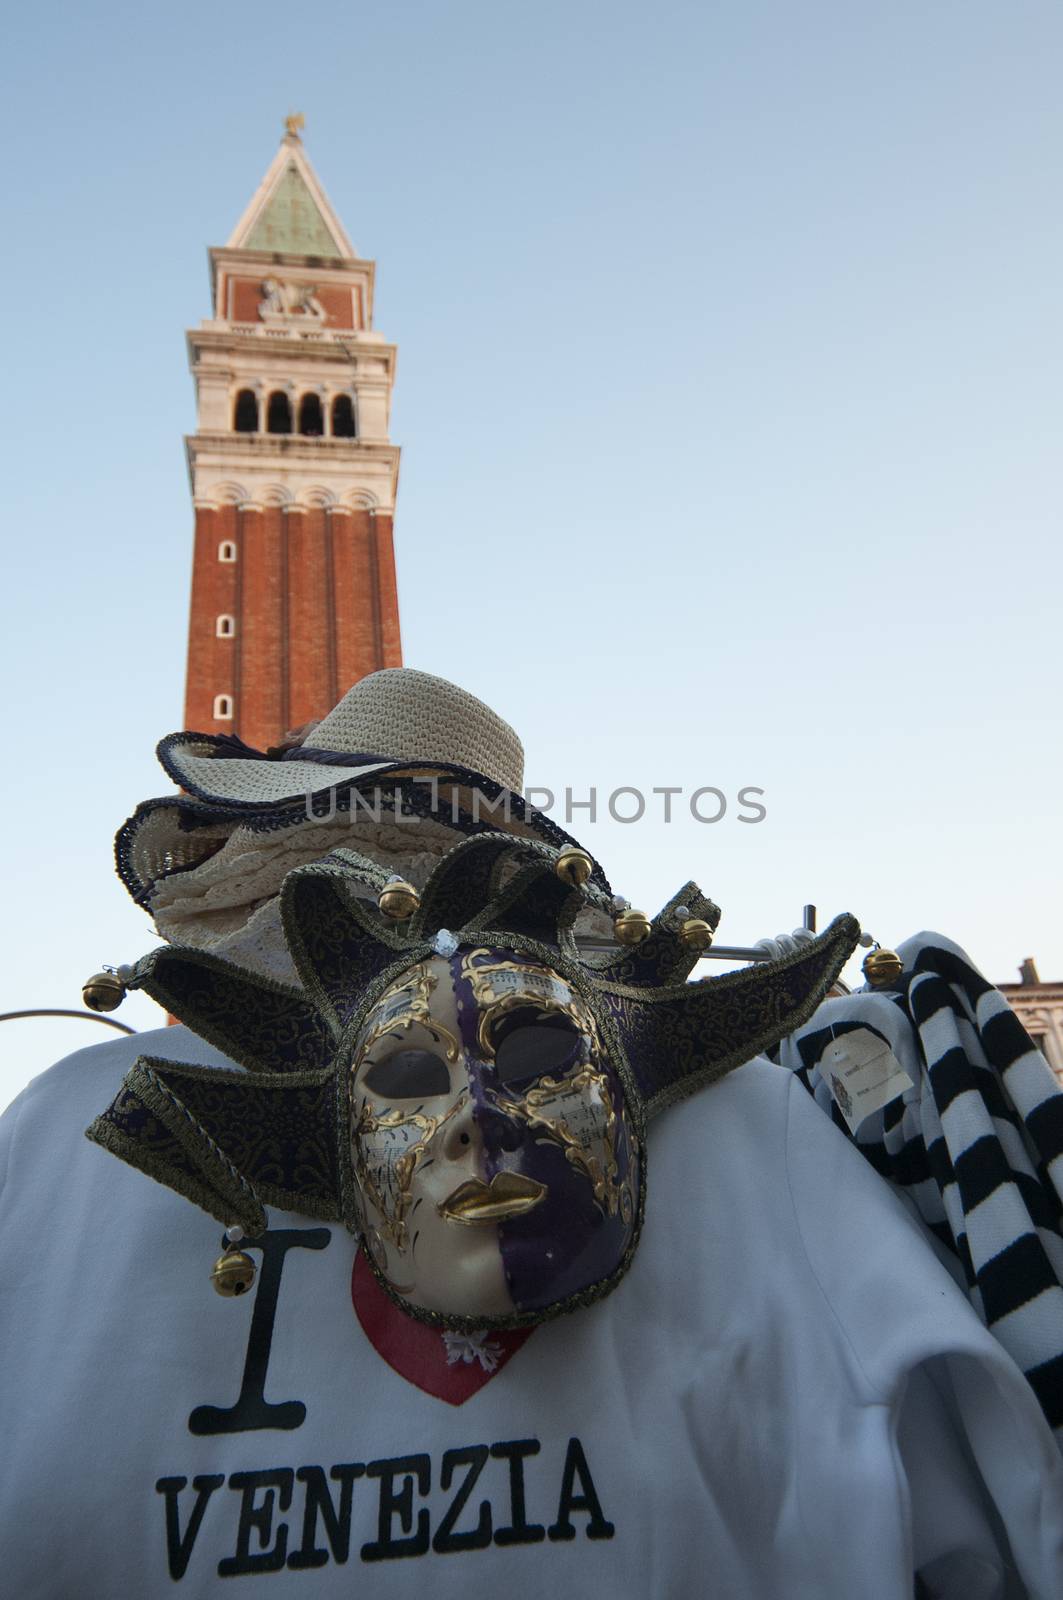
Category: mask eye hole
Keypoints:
(408, 1075)
(530, 1044)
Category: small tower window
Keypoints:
(227, 550)
(279, 416)
(311, 422)
(223, 707)
(343, 417)
(225, 627)
(245, 415)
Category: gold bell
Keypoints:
(574, 866)
(104, 991)
(882, 967)
(233, 1273)
(631, 927)
(398, 900)
(695, 934)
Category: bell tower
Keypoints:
(293, 474)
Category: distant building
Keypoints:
(1039, 1007)
(293, 473)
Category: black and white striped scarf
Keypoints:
(976, 1142)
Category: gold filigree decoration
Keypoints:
(576, 1132)
(402, 1006)
(503, 986)
(404, 1137)
(590, 1119)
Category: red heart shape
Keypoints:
(442, 1365)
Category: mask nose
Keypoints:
(481, 1124)
(500, 1132)
(462, 1137)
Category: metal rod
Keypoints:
(734, 952)
(718, 952)
(82, 1016)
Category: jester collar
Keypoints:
(466, 1091)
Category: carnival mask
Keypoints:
(457, 1084)
(497, 1167)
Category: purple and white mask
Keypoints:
(489, 1142)
(497, 1166)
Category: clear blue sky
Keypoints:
(728, 391)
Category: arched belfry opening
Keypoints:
(279, 415)
(245, 414)
(311, 421)
(343, 417)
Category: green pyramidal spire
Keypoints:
(292, 221)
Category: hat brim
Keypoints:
(177, 833)
(203, 765)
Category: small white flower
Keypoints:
(470, 1347)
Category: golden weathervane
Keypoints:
(293, 124)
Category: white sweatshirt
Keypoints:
(788, 1398)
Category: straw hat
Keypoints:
(397, 715)
(209, 863)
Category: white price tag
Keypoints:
(863, 1074)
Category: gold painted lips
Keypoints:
(507, 1195)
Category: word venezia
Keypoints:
(624, 804)
(263, 1537)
